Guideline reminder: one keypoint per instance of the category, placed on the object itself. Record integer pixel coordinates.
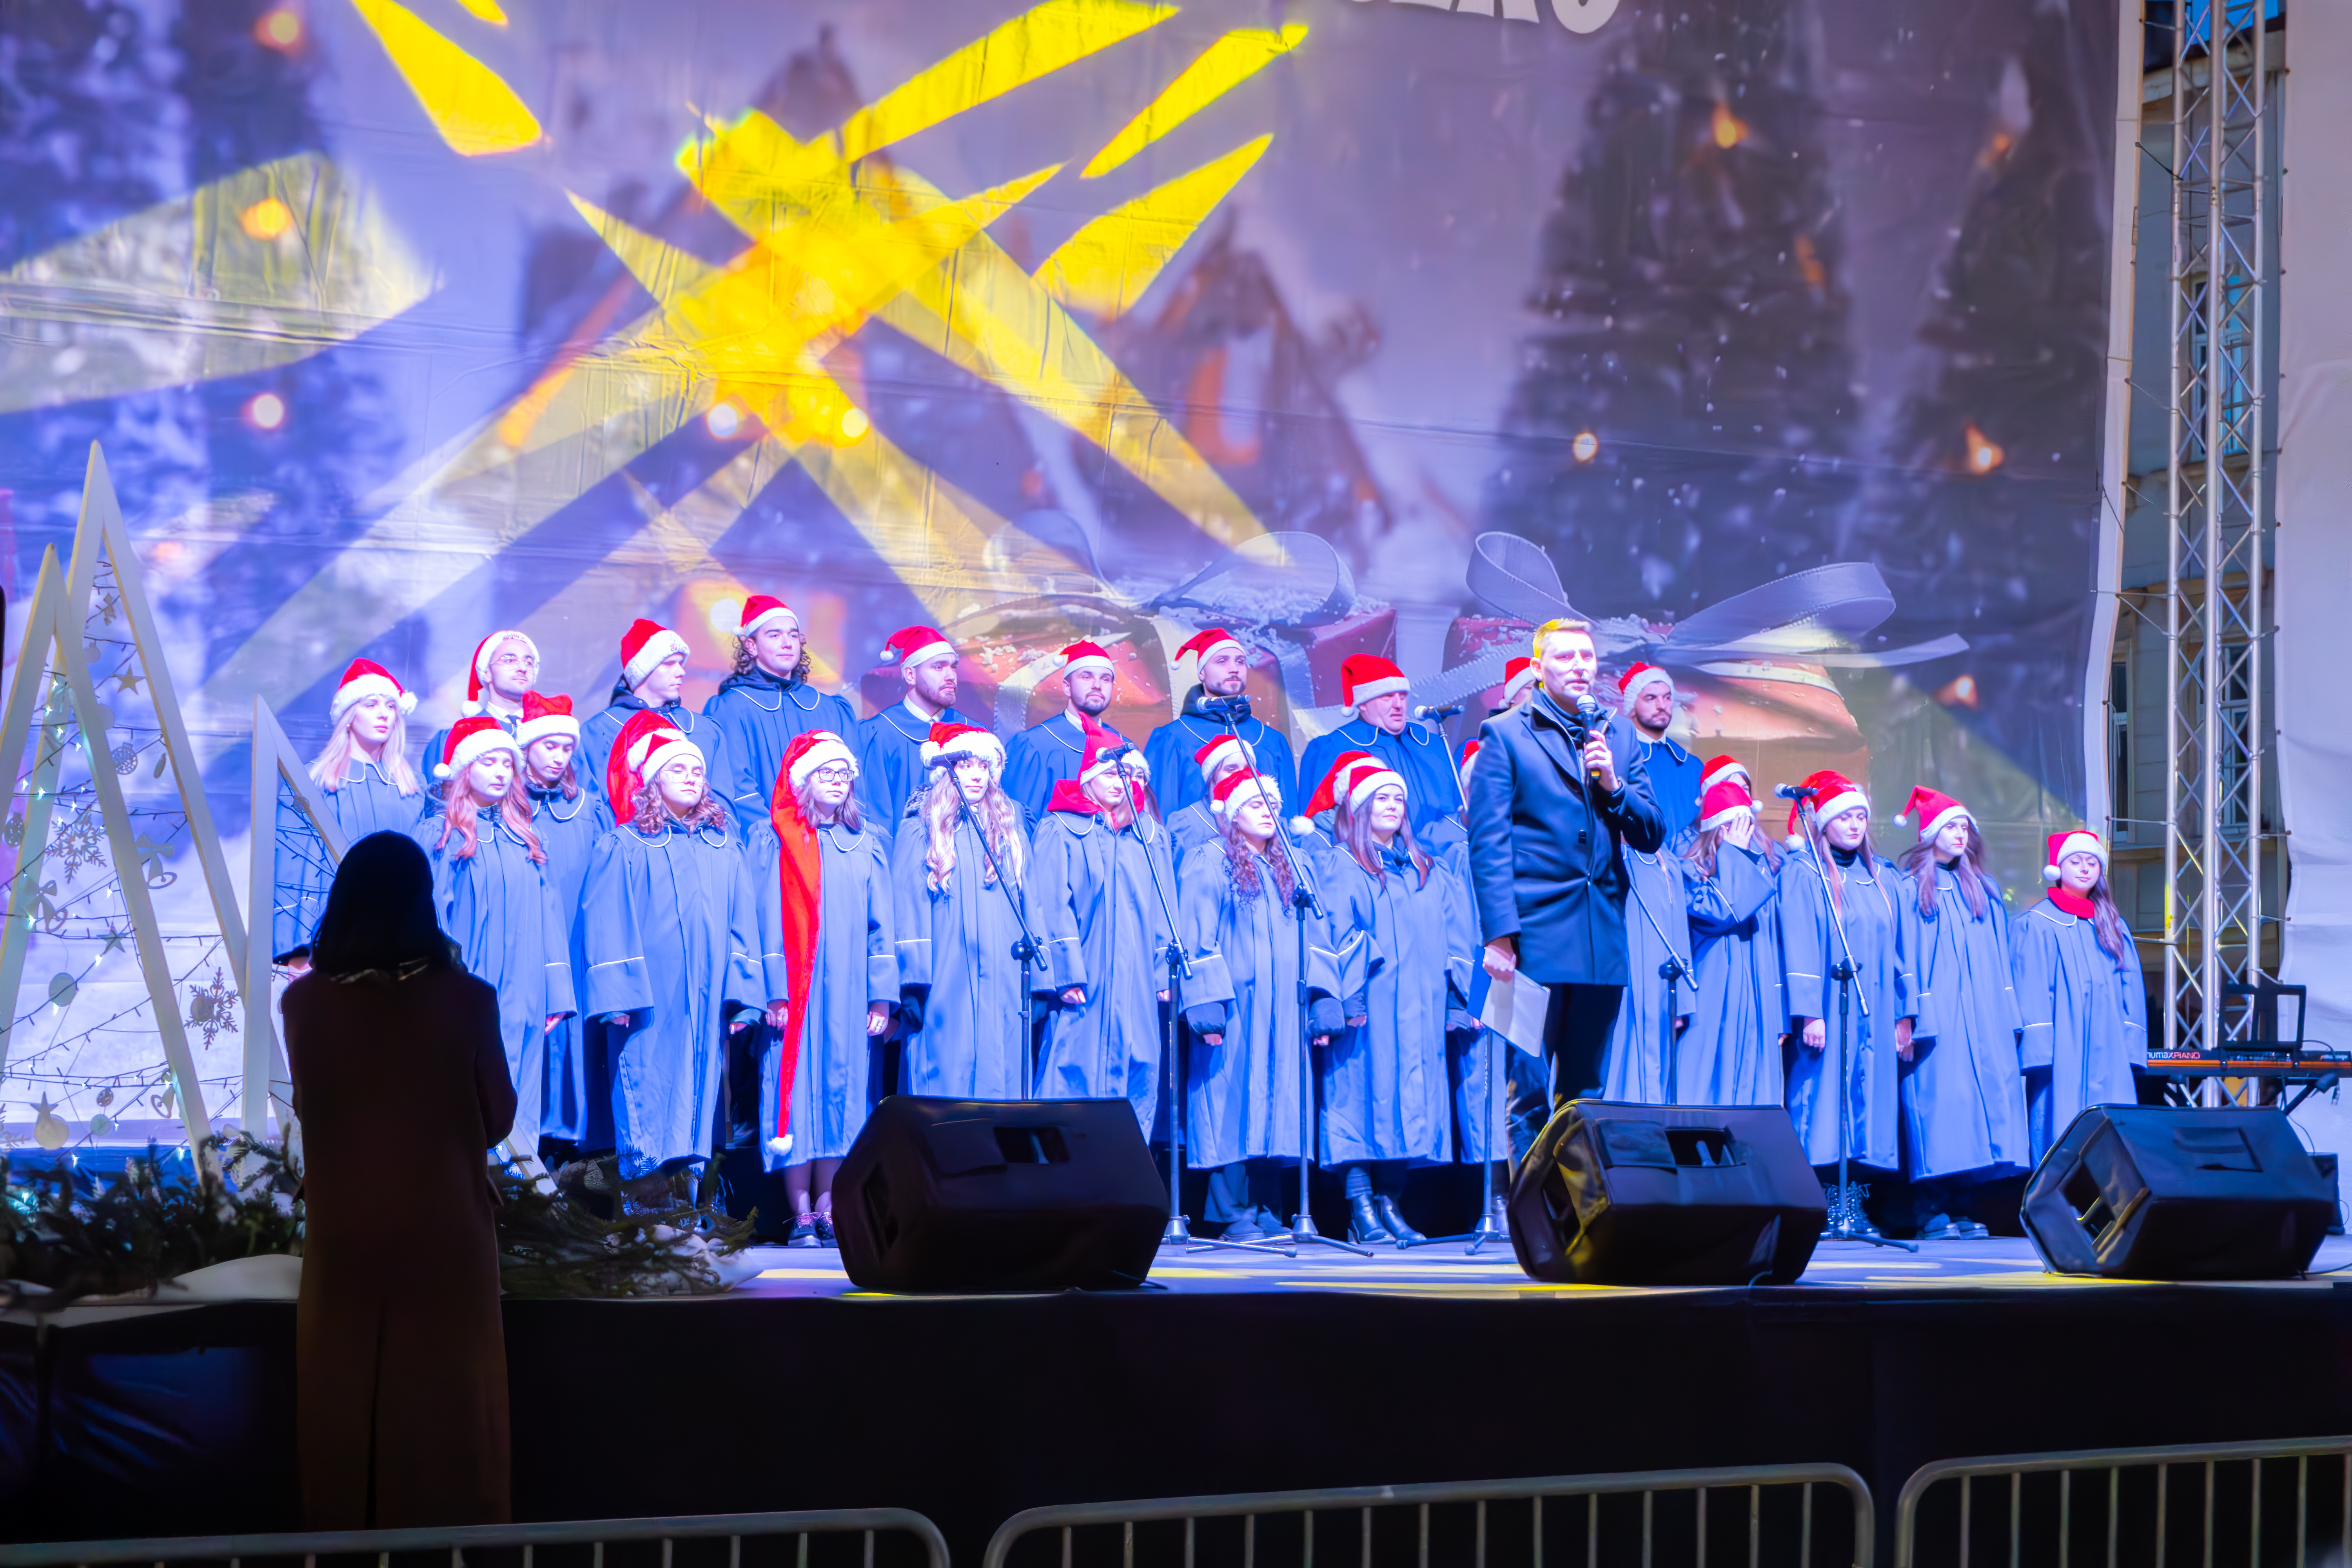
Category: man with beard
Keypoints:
(1044, 754)
(766, 703)
(1645, 694)
(890, 744)
(1223, 670)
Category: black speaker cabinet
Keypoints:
(2145, 1192)
(970, 1194)
(1661, 1195)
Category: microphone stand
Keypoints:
(1179, 968)
(1303, 902)
(1845, 1209)
(1026, 950)
(1672, 971)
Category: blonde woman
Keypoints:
(363, 774)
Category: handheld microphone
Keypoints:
(1588, 707)
(1433, 713)
(1794, 791)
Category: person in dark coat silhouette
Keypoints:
(1556, 799)
(401, 1086)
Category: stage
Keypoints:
(1240, 1371)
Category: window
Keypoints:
(2119, 779)
(2237, 342)
(2236, 741)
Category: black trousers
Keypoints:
(1576, 1035)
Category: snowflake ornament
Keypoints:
(80, 842)
(212, 1008)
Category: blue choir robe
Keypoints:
(955, 943)
(366, 801)
(1192, 826)
(1097, 895)
(1038, 758)
(1402, 947)
(1730, 1055)
(599, 730)
(501, 909)
(1176, 777)
(671, 931)
(1657, 922)
(856, 966)
(1418, 753)
(1241, 1095)
(761, 716)
(1678, 779)
(1963, 1095)
(1881, 994)
(2084, 1020)
(578, 1104)
(890, 773)
(1479, 1064)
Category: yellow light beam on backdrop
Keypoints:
(1223, 65)
(1035, 43)
(1104, 268)
(470, 104)
(485, 10)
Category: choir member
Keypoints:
(1520, 677)
(1314, 831)
(367, 786)
(1045, 754)
(765, 704)
(653, 680)
(1836, 898)
(1103, 894)
(823, 886)
(492, 894)
(1399, 926)
(1219, 667)
(1241, 1093)
(568, 818)
(1383, 725)
(958, 915)
(1199, 823)
(1731, 1053)
(2079, 992)
(1963, 1099)
(504, 670)
(1481, 1105)
(1657, 927)
(671, 929)
(1645, 694)
(889, 745)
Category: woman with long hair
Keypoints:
(825, 912)
(400, 1371)
(1241, 1100)
(1838, 899)
(960, 871)
(672, 942)
(1730, 1055)
(1402, 938)
(1104, 895)
(491, 893)
(2078, 992)
(1963, 1102)
(568, 817)
(367, 786)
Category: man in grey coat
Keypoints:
(1556, 796)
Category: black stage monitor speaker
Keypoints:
(975, 1195)
(2151, 1191)
(1665, 1195)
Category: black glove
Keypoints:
(1458, 1021)
(1207, 1018)
(1324, 1018)
(910, 1010)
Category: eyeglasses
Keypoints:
(832, 772)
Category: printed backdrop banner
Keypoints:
(1767, 334)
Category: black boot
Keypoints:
(1405, 1235)
(1365, 1225)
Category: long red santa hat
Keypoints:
(801, 866)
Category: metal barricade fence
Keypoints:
(1749, 1516)
(708, 1540)
(2211, 1504)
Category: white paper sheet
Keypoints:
(1516, 1012)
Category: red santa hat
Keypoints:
(544, 717)
(1517, 675)
(2073, 841)
(911, 647)
(1201, 645)
(1328, 789)
(470, 740)
(729, 619)
(1640, 679)
(956, 742)
(1360, 782)
(1835, 795)
(647, 744)
(478, 675)
(1715, 770)
(365, 677)
(1932, 811)
(1364, 676)
(1469, 760)
(644, 645)
(1245, 785)
(1722, 801)
(1098, 757)
(1213, 755)
(812, 750)
(1084, 656)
